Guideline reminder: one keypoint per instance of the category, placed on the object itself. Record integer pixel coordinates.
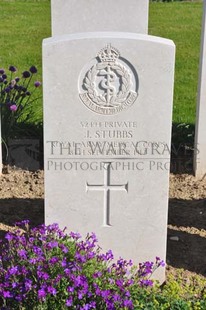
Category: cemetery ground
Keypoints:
(22, 192)
(22, 197)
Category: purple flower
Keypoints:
(4, 76)
(17, 79)
(67, 271)
(52, 244)
(13, 270)
(53, 260)
(108, 285)
(53, 227)
(22, 254)
(9, 236)
(106, 257)
(128, 304)
(22, 223)
(69, 302)
(12, 69)
(63, 248)
(43, 275)
(41, 294)
(18, 298)
(64, 263)
(97, 274)
(90, 255)
(160, 262)
(80, 258)
(79, 281)
(26, 74)
(116, 297)
(2, 71)
(146, 282)
(74, 235)
(37, 84)
(37, 250)
(86, 307)
(33, 260)
(51, 290)
(119, 282)
(70, 289)
(28, 284)
(80, 295)
(14, 285)
(13, 107)
(6, 294)
(33, 69)
(105, 294)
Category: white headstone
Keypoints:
(107, 117)
(200, 130)
(72, 16)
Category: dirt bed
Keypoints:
(22, 197)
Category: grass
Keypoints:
(23, 26)
(24, 23)
(181, 22)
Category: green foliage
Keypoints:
(23, 26)
(24, 23)
(173, 21)
(18, 94)
(178, 293)
(165, 0)
(44, 268)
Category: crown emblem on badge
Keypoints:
(108, 54)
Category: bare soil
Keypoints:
(22, 197)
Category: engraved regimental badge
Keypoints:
(110, 85)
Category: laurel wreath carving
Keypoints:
(126, 82)
(125, 85)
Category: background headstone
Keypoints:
(107, 129)
(72, 16)
(24, 153)
(200, 129)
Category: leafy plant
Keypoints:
(16, 98)
(44, 268)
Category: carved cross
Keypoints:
(106, 187)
